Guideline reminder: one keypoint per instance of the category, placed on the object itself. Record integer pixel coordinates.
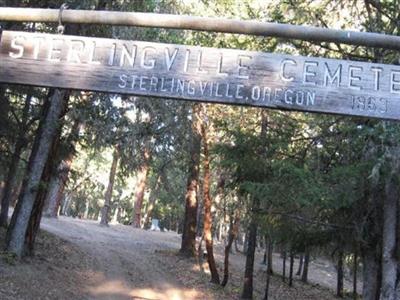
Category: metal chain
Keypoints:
(60, 27)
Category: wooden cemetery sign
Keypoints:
(201, 74)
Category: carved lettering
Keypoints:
(128, 55)
(111, 56)
(191, 87)
(377, 73)
(242, 68)
(395, 82)
(37, 42)
(288, 96)
(336, 77)
(55, 51)
(308, 72)
(123, 78)
(17, 46)
(354, 78)
(255, 93)
(282, 73)
(219, 71)
(148, 63)
(92, 55)
(203, 74)
(169, 59)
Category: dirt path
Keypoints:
(125, 264)
(79, 259)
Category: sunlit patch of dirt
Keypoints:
(120, 262)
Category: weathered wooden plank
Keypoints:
(201, 74)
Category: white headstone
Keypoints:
(154, 225)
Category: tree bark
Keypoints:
(59, 180)
(66, 206)
(105, 211)
(389, 261)
(36, 215)
(284, 266)
(207, 209)
(355, 273)
(45, 136)
(247, 292)
(269, 272)
(12, 171)
(141, 187)
(236, 245)
(371, 248)
(291, 268)
(269, 245)
(188, 245)
(370, 275)
(264, 262)
(152, 202)
(232, 235)
(56, 188)
(304, 276)
(246, 242)
(301, 259)
(339, 286)
(270, 249)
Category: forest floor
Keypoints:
(78, 259)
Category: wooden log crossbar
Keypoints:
(248, 27)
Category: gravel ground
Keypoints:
(78, 259)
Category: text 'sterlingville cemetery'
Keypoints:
(201, 74)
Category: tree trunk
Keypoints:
(247, 292)
(207, 209)
(270, 251)
(59, 180)
(246, 242)
(105, 211)
(304, 276)
(12, 171)
(370, 274)
(339, 286)
(301, 259)
(371, 248)
(4, 107)
(56, 188)
(236, 246)
(269, 271)
(45, 136)
(232, 235)
(355, 271)
(141, 187)
(389, 261)
(188, 245)
(291, 268)
(86, 212)
(36, 215)
(66, 206)
(152, 202)
(284, 266)
(199, 214)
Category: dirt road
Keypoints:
(79, 259)
(125, 262)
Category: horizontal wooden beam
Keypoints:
(267, 29)
(211, 75)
